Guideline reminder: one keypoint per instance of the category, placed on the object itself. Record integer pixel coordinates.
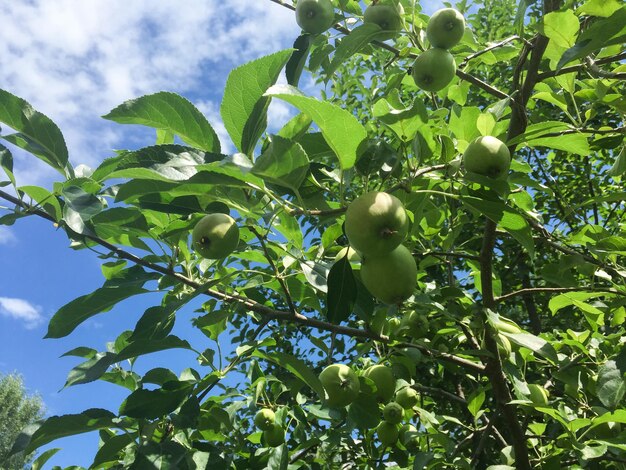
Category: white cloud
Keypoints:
(6, 236)
(22, 310)
(75, 60)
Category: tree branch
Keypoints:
(252, 305)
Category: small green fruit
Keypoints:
(504, 346)
(387, 433)
(415, 324)
(215, 236)
(386, 14)
(264, 419)
(315, 16)
(341, 384)
(383, 378)
(487, 156)
(393, 324)
(391, 277)
(433, 69)
(393, 413)
(538, 395)
(376, 223)
(445, 28)
(408, 437)
(274, 436)
(407, 397)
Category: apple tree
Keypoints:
(423, 268)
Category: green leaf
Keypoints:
(6, 162)
(572, 298)
(602, 33)
(534, 343)
(506, 217)
(90, 370)
(43, 458)
(316, 273)
(160, 162)
(79, 208)
(68, 317)
(244, 106)
(603, 8)
(295, 65)
(36, 132)
(57, 427)
(404, 121)
(354, 42)
(561, 27)
(611, 385)
(365, 411)
(475, 402)
(342, 291)
(172, 113)
(109, 451)
(153, 404)
(341, 130)
(284, 162)
(619, 166)
(296, 366)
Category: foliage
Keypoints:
(514, 337)
(17, 410)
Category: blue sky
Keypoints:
(75, 61)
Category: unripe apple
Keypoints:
(393, 413)
(315, 16)
(415, 324)
(487, 156)
(390, 278)
(274, 435)
(264, 419)
(408, 437)
(215, 236)
(341, 384)
(433, 69)
(376, 223)
(445, 28)
(383, 378)
(388, 15)
(387, 433)
(407, 397)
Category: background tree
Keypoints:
(18, 409)
(513, 337)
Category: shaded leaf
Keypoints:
(342, 291)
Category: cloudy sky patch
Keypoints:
(21, 310)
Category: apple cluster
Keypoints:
(273, 432)
(435, 68)
(376, 225)
(343, 386)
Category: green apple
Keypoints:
(274, 435)
(538, 395)
(383, 378)
(392, 327)
(315, 16)
(487, 156)
(215, 236)
(390, 278)
(264, 419)
(393, 413)
(415, 324)
(341, 384)
(376, 223)
(445, 28)
(433, 69)
(387, 14)
(387, 433)
(408, 437)
(353, 256)
(407, 397)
